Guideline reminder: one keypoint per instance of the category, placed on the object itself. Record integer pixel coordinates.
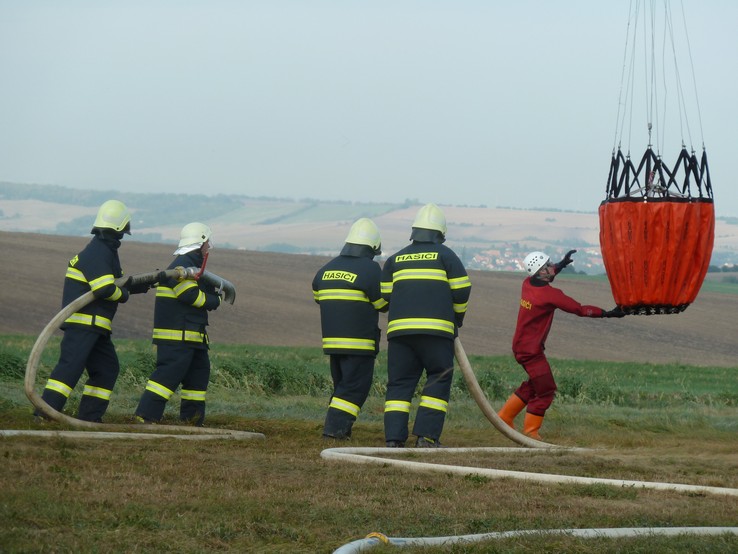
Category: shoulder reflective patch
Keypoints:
(419, 256)
(339, 276)
(76, 274)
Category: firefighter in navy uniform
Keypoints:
(348, 292)
(86, 342)
(427, 288)
(180, 335)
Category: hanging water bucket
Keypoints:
(656, 233)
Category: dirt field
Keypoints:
(274, 306)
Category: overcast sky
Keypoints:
(502, 103)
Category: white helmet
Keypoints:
(431, 217)
(114, 215)
(365, 231)
(194, 234)
(535, 261)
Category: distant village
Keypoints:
(587, 260)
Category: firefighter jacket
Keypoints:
(95, 269)
(427, 289)
(181, 307)
(538, 302)
(347, 290)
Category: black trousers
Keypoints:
(84, 348)
(407, 357)
(352, 379)
(177, 364)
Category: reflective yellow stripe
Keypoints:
(102, 281)
(461, 308)
(433, 403)
(397, 406)
(431, 274)
(344, 406)
(459, 282)
(58, 386)
(76, 274)
(195, 336)
(420, 323)
(97, 392)
(200, 300)
(116, 295)
(179, 334)
(342, 294)
(198, 395)
(87, 319)
(165, 292)
(346, 342)
(158, 389)
(379, 304)
(386, 287)
(184, 286)
(167, 334)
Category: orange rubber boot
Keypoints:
(512, 407)
(531, 425)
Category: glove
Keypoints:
(138, 288)
(615, 312)
(212, 301)
(567, 259)
(124, 293)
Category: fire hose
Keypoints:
(103, 430)
(367, 455)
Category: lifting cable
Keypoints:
(655, 78)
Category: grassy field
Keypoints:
(670, 423)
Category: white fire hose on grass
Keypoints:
(122, 431)
(367, 455)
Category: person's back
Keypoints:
(427, 289)
(419, 279)
(347, 291)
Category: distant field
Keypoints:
(320, 227)
(274, 306)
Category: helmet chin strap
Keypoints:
(204, 262)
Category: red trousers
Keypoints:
(539, 389)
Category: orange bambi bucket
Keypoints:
(656, 233)
(656, 251)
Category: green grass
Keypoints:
(649, 422)
(719, 282)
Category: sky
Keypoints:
(496, 103)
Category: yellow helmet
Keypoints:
(194, 234)
(431, 217)
(113, 214)
(365, 231)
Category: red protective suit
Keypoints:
(538, 302)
